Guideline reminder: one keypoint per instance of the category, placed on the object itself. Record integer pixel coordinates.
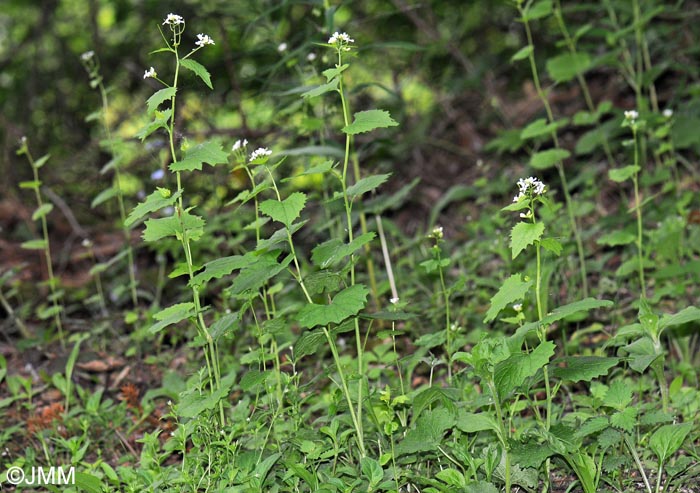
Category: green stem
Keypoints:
(120, 197)
(638, 212)
(504, 431)
(559, 165)
(446, 298)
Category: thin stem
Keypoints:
(504, 431)
(120, 196)
(559, 165)
(638, 212)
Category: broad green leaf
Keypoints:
(345, 304)
(104, 196)
(512, 290)
(564, 67)
(158, 98)
(582, 368)
(194, 403)
(365, 185)
(560, 313)
(547, 159)
(223, 325)
(481, 487)
(372, 471)
(308, 343)
(511, 373)
(172, 315)
(537, 128)
(428, 432)
(322, 89)
(209, 152)
(626, 419)
(541, 9)
(285, 211)
(624, 173)
(220, 267)
(156, 201)
(523, 235)
(258, 271)
(160, 120)
(34, 245)
(551, 245)
(157, 229)
(198, 69)
(333, 251)
(668, 439)
(87, 482)
(366, 121)
(41, 161)
(452, 477)
(616, 238)
(476, 422)
(642, 353)
(42, 211)
(522, 53)
(619, 395)
(689, 314)
(331, 73)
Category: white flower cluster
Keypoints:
(668, 113)
(173, 20)
(203, 40)
(530, 186)
(238, 144)
(150, 73)
(87, 56)
(260, 152)
(631, 115)
(340, 39)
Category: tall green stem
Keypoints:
(638, 212)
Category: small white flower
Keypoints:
(87, 56)
(311, 56)
(203, 40)
(394, 300)
(526, 215)
(238, 144)
(150, 73)
(173, 20)
(518, 307)
(259, 153)
(170, 403)
(340, 39)
(437, 232)
(282, 47)
(86, 243)
(157, 175)
(529, 185)
(668, 113)
(631, 115)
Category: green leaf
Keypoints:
(366, 121)
(42, 211)
(41, 161)
(331, 73)
(365, 185)
(476, 422)
(668, 439)
(522, 53)
(333, 251)
(582, 368)
(452, 477)
(285, 211)
(34, 245)
(322, 89)
(104, 196)
(220, 267)
(225, 324)
(551, 245)
(624, 173)
(537, 128)
(619, 395)
(564, 67)
(158, 98)
(428, 433)
(308, 343)
(172, 315)
(198, 69)
(156, 201)
(34, 184)
(159, 121)
(157, 229)
(625, 419)
(560, 313)
(88, 483)
(259, 270)
(193, 404)
(372, 471)
(524, 234)
(513, 289)
(547, 159)
(616, 238)
(209, 152)
(345, 304)
(511, 373)
(537, 11)
(689, 314)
